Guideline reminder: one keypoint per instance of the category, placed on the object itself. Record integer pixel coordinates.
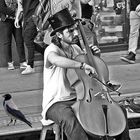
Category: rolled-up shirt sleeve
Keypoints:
(6, 10)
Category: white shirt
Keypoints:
(56, 84)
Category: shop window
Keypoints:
(111, 24)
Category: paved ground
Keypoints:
(27, 89)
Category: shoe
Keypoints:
(130, 58)
(113, 87)
(11, 66)
(23, 65)
(28, 70)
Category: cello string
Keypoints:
(86, 44)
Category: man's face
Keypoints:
(70, 35)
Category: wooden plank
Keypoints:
(135, 134)
(20, 127)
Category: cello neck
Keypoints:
(89, 53)
(92, 61)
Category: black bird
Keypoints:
(12, 110)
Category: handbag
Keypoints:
(41, 15)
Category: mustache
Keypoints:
(76, 38)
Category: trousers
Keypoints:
(7, 30)
(134, 32)
(29, 34)
(62, 114)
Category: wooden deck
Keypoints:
(21, 129)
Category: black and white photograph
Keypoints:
(69, 70)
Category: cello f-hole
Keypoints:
(90, 97)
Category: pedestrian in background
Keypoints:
(134, 31)
(86, 15)
(7, 29)
(29, 31)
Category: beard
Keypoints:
(75, 40)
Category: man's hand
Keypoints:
(90, 70)
(138, 8)
(16, 23)
(95, 50)
(19, 15)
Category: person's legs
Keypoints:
(134, 32)
(61, 113)
(29, 34)
(17, 32)
(6, 40)
(133, 38)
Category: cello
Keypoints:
(97, 112)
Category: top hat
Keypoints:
(60, 21)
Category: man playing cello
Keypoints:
(58, 95)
